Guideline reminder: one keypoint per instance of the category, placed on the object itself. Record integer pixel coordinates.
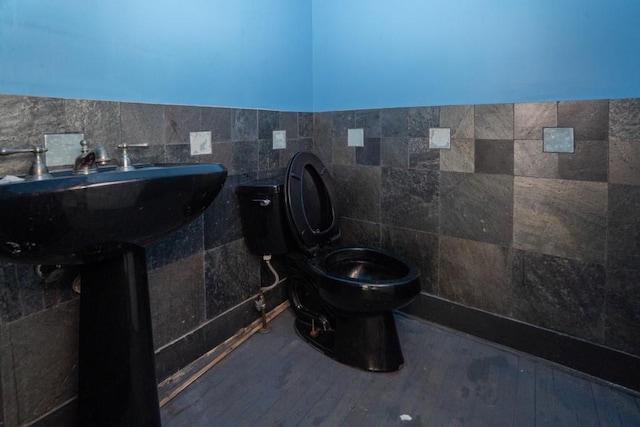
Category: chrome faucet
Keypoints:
(38, 170)
(88, 160)
(125, 163)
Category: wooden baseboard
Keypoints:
(175, 384)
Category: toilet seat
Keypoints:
(310, 203)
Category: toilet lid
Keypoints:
(310, 200)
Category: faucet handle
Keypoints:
(35, 149)
(38, 170)
(125, 160)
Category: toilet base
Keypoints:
(366, 342)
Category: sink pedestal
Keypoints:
(101, 221)
(117, 384)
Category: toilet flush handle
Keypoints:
(262, 202)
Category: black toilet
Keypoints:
(343, 297)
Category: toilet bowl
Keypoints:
(343, 297)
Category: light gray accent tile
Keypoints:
(558, 140)
(355, 137)
(440, 138)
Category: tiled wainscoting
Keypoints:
(493, 222)
(496, 223)
(201, 279)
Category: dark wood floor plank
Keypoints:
(545, 410)
(364, 403)
(429, 369)
(422, 352)
(191, 397)
(263, 377)
(354, 383)
(449, 379)
(222, 385)
(605, 406)
(627, 408)
(288, 382)
(320, 380)
(455, 403)
(525, 401)
(431, 380)
(573, 401)
(495, 387)
(331, 406)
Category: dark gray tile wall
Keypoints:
(561, 217)
(549, 239)
(496, 223)
(195, 275)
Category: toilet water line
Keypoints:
(260, 303)
(277, 280)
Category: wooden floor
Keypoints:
(449, 379)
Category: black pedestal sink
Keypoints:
(103, 221)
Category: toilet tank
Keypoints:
(264, 220)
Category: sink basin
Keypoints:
(103, 221)
(83, 218)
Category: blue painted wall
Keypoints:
(321, 55)
(384, 53)
(240, 53)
